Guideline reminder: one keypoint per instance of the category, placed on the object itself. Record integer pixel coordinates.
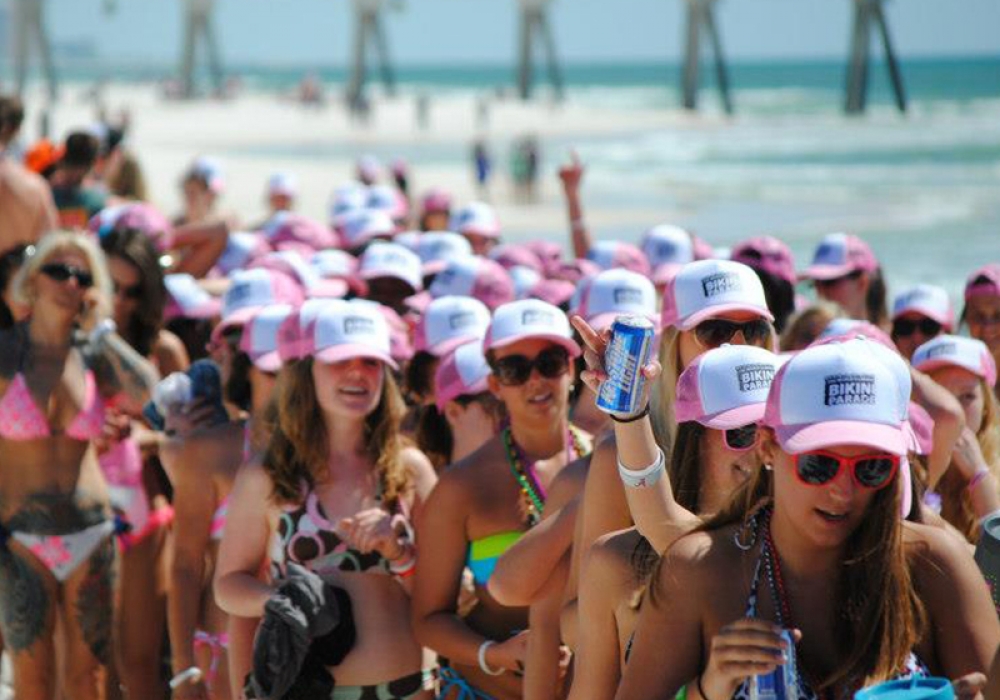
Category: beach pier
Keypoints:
(198, 24)
(867, 12)
(27, 28)
(701, 17)
(534, 23)
(368, 27)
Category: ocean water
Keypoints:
(922, 187)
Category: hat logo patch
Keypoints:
(829, 253)
(537, 317)
(666, 249)
(239, 293)
(358, 324)
(943, 349)
(849, 389)
(721, 283)
(463, 319)
(754, 377)
(627, 295)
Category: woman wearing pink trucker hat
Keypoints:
(920, 313)
(335, 493)
(982, 309)
(814, 544)
(720, 398)
(486, 502)
(968, 488)
(845, 271)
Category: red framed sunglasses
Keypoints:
(873, 471)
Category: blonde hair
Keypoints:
(60, 242)
(665, 391)
(956, 505)
(804, 326)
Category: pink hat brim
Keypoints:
(419, 302)
(982, 372)
(476, 388)
(446, 346)
(209, 309)
(943, 319)
(815, 436)
(719, 309)
(570, 345)
(368, 275)
(329, 288)
(828, 272)
(348, 351)
(736, 417)
(268, 362)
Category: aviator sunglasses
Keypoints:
(515, 370)
(905, 327)
(718, 331)
(869, 471)
(60, 272)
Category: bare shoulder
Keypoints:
(569, 482)
(612, 555)
(170, 353)
(703, 558)
(477, 466)
(934, 553)
(254, 484)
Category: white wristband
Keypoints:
(483, 666)
(192, 675)
(642, 478)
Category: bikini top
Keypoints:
(21, 419)
(483, 553)
(306, 536)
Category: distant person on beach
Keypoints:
(519, 170)
(202, 185)
(483, 167)
(310, 92)
(76, 200)
(531, 168)
(198, 22)
(423, 111)
(29, 19)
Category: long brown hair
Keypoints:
(956, 505)
(879, 615)
(298, 451)
(135, 248)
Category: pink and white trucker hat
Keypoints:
(188, 299)
(344, 331)
(529, 318)
(449, 322)
(511, 255)
(476, 277)
(839, 394)
(525, 279)
(294, 331)
(551, 291)
(726, 387)
(840, 254)
(477, 218)
(363, 225)
(616, 293)
(462, 372)
(283, 184)
(927, 300)
(260, 336)
(400, 344)
(241, 248)
(437, 248)
(347, 198)
(766, 253)
(957, 351)
(208, 170)
(984, 282)
(436, 201)
(667, 244)
(383, 259)
(288, 229)
(135, 215)
(707, 288)
(251, 291)
(549, 253)
(388, 199)
(293, 265)
(612, 254)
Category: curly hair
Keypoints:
(298, 450)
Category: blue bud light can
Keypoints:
(628, 352)
(783, 682)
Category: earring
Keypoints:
(768, 467)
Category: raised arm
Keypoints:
(949, 419)
(571, 174)
(120, 370)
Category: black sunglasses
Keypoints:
(515, 370)
(837, 280)
(718, 331)
(134, 292)
(904, 327)
(60, 272)
(741, 439)
(869, 471)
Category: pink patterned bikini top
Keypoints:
(21, 419)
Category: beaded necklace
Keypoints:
(532, 492)
(772, 566)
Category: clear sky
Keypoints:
(483, 31)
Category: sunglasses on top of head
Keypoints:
(742, 438)
(719, 331)
(905, 327)
(515, 370)
(60, 272)
(819, 467)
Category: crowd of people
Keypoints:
(361, 458)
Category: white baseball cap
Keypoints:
(344, 331)
(840, 394)
(612, 254)
(462, 372)
(726, 387)
(437, 248)
(360, 226)
(294, 331)
(529, 318)
(241, 247)
(295, 266)
(476, 218)
(474, 276)
(840, 254)
(251, 291)
(667, 244)
(449, 322)
(283, 183)
(383, 259)
(957, 351)
(707, 288)
(927, 300)
(615, 293)
(525, 279)
(347, 198)
(260, 336)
